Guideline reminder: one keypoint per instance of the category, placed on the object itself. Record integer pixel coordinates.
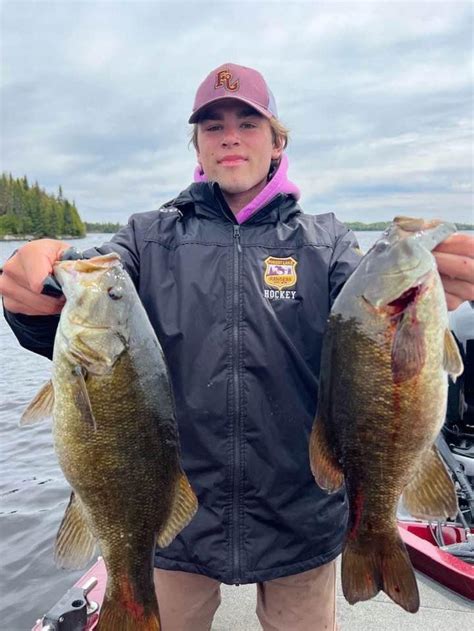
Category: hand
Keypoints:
(455, 259)
(21, 281)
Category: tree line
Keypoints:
(28, 211)
(107, 226)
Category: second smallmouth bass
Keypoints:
(382, 401)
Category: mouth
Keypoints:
(231, 161)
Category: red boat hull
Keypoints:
(428, 558)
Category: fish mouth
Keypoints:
(86, 325)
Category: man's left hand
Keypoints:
(455, 259)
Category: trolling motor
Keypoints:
(456, 441)
(465, 549)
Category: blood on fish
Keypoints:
(358, 507)
(136, 609)
(408, 296)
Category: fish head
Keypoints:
(400, 263)
(94, 322)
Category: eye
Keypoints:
(213, 128)
(381, 246)
(114, 293)
(249, 125)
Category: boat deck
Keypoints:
(440, 610)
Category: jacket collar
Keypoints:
(205, 199)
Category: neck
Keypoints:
(237, 201)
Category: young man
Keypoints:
(237, 282)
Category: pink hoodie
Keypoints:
(279, 183)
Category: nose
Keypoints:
(231, 136)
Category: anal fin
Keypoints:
(184, 508)
(75, 543)
(324, 465)
(430, 494)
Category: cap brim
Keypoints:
(194, 118)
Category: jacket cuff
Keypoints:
(35, 333)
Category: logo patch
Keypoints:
(224, 78)
(280, 273)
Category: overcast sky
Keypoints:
(378, 97)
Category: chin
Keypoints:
(234, 188)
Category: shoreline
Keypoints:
(32, 237)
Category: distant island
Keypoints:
(28, 212)
(359, 226)
(103, 227)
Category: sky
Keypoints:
(378, 97)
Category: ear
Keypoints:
(277, 150)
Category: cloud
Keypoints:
(378, 97)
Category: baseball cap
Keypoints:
(231, 81)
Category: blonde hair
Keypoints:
(280, 134)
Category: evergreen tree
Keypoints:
(29, 211)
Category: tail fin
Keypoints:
(114, 616)
(382, 565)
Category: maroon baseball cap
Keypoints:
(231, 81)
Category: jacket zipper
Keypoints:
(236, 407)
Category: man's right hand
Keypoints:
(21, 281)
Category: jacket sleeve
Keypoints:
(345, 258)
(36, 333)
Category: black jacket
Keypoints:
(242, 336)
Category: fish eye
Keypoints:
(114, 293)
(381, 246)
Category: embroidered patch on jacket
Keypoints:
(280, 274)
(224, 79)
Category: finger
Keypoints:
(455, 266)
(453, 302)
(459, 288)
(21, 300)
(33, 262)
(462, 244)
(36, 270)
(14, 306)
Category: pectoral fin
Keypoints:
(408, 350)
(82, 398)
(41, 407)
(430, 494)
(75, 543)
(324, 464)
(452, 361)
(184, 508)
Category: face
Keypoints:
(236, 149)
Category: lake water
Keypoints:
(33, 492)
